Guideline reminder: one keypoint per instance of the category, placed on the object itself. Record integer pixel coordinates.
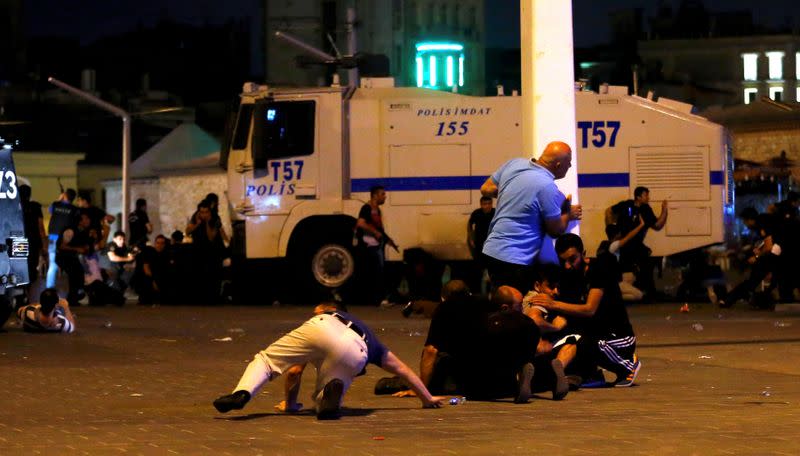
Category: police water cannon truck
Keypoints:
(300, 163)
(13, 243)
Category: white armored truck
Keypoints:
(13, 244)
(301, 161)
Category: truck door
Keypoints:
(284, 164)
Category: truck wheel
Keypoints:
(332, 265)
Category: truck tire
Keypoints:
(332, 265)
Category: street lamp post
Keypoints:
(126, 140)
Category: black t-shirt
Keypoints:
(374, 219)
(138, 221)
(511, 340)
(62, 216)
(611, 317)
(159, 262)
(628, 215)
(458, 326)
(481, 221)
(120, 251)
(31, 213)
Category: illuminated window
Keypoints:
(797, 94)
(436, 64)
(461, 70)
(775, 64)
(450, 70)
(750, 95)
(797, 66)
(776, 93)
(750, 66)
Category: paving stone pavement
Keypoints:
(140, 380)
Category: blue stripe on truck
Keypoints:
(427, 183)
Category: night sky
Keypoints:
(89, 20)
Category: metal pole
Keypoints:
(126, 139)
(126, 164)
(352, 74)
(321, 55)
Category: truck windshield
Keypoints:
(287, 128)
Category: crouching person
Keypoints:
(339, 346)
(608, 340)
(50, 315)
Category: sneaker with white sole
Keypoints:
(631, 378)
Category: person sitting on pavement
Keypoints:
(121, 258)
(558, 348)
(607, 338)
(464, 328)
(511, 342)
(50, 315)
(339, 346)
(153, 272)
(447, 356)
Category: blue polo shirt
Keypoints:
(527, 196)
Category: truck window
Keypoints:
(288, 128)
(242, 130)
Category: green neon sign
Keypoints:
(436, 65)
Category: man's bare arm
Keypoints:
(394, 365)
(294, 375)
(575, 310)
(64, 304)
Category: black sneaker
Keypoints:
(234, 401)
(524, 384)
(561, 387)
(328, 407)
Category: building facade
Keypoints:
(723, 71)
(429, 43)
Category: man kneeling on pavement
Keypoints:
(589, 295)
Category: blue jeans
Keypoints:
(52, 268)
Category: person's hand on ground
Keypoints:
(434, 402)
